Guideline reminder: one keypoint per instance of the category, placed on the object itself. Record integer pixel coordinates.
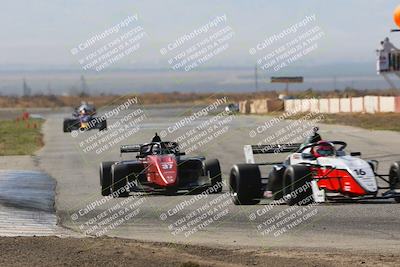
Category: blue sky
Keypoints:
(41, 33)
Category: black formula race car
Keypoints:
(159, 166)
(84, 119)
(315, 172)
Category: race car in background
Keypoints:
(84, 119)
(232, 108)
(159, 166)
(315, 172)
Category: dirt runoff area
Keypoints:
(55, 251)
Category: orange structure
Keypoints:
(396, 16)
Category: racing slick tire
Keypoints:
(394, 178)
(105, 177)
(274, 185)
(245, 184)
(213, 169)
(119, 177)
(67, 125)
(103, 125)
(297, 183)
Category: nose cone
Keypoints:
(168, 168)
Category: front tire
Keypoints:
(297, 183)
(66, 126)
(105, 177)
(394, 178)
(213, 169)
(119, 177)
(245, 184)
(103, 125)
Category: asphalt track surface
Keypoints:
(27, 209)
(372, 225)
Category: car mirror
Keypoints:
(355, 154)
(181, 154)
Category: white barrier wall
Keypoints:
(371, 104)
(297, 104)
(357, 104)
(368, 104)
(324, 105)
(387, 104)
(345, 105)
(305, 105)
(289, 105)
(334, 105)
(260, 106)
(244, 106)
(314, 105)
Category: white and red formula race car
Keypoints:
(316, 172)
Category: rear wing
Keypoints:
(130, 148)
(251, 150)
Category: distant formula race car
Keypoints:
(315, 172)
(232, 108)
(159, 166)
(84, 119)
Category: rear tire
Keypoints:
(245, 184)
(394, 178)
(297, 182)
(275, 179)
(119, 175)
(213, 169)
(105, 177)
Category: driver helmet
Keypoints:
(323, 149)
(156, 149)
(83, 109)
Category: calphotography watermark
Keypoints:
(202, 127)
(121, 123)
(281, 131)
(285, 220)
(294, 132)
(189, 120)
(273, 222)
(260, 129)
(117, 132)
(102, 215)
(197, 213)
(111, 45)
(277, 55)
(95, 121)
(267, 42)
(199, 46)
